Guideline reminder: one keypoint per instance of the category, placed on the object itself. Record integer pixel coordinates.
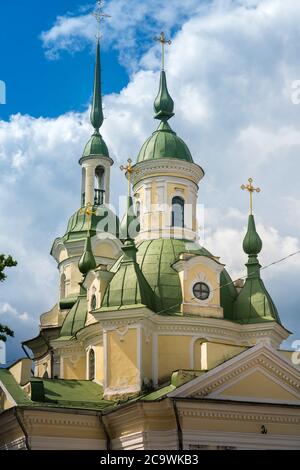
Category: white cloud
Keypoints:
(8, 312)
(230, 69)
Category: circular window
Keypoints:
(201, 291)
(93, 302)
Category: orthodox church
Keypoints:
(151, 344)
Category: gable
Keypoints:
(257, 385)
(260, 374)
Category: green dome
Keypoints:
(252, 243)
(164, 143)
(95, 146)
(155, 258)
(104, 220)
(76, 317)
(254, 304)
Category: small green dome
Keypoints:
(95, 146)
(252, 243)
(155, 259)
(87, 261)
(76, 317)
(102, 219)
(164, 143)
(254, 304)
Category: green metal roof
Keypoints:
(96, 146)
(103, 219)
(164, 143)
(254, 304)
(128, 287)
(155, 259)
(76, 317)
(13, 388)
(87, 261)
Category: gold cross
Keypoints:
(129, 170)
(249, 187)
(99, 15)
(162, 39)
(88, 210)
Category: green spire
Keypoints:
(96, 111)
(252, 243)
(163, 104)
(96, 144)
(87, 261)
(254, 304)
(129, 222)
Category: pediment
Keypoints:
(260, 374)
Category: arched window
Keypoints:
(93, 302)
(138, 215)
(83, 187)
(62, 286)
(91, 364)
(45, 375)
(177, 212)
(99, 186)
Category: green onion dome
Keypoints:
(164, 142)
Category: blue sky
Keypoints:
(231, 71)
(42, 87)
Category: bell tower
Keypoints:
(95, 161)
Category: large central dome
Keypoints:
(155, 259)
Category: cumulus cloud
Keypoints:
(230, 71)
(132, 24)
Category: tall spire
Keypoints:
(96, 116)
(254, 304)
(163, 104)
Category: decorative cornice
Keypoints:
(187, 170)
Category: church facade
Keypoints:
(151, 344)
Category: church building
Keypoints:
(151, 344)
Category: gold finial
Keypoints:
(162, 39)
(88, 210)
(129, 170)
(250, 188)
(99, 15)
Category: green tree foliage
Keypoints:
(5, 262)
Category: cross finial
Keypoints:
(250, 188)
(88, 210)
(99, 15)
(129, 170)
(162, 39)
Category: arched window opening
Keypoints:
(91, 364)
(138, 215)
(99, 186)
(63, 286)
(177, 212)
(83, 187)
(93, 302)
(46, 375)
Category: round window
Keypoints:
(201, 291)
(93, 302)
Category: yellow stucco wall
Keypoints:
(213, 354)
(122, 359)
(258, 385)
(209, 276)
(42, 365)
(173, 354)
(76, 370)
